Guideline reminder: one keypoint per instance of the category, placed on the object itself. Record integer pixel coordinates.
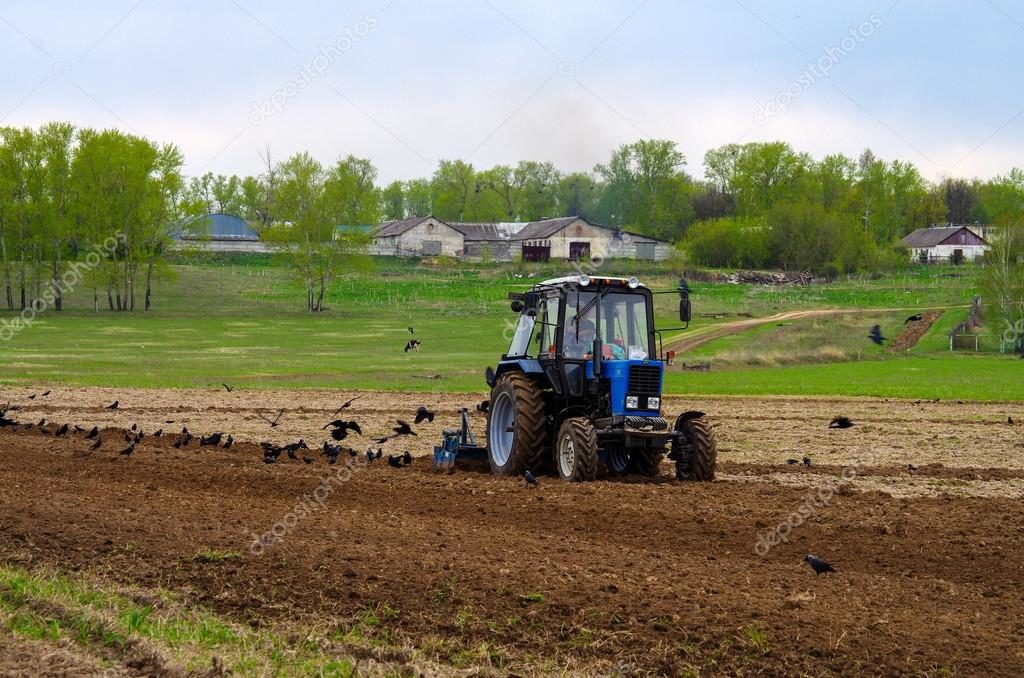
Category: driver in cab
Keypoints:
(579, 345)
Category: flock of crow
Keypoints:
(340, 430)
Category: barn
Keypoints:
(417, 237)
(573, 238)
(955, 244)
(219, 233)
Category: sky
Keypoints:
(406, 82)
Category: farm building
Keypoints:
(219, 233)
(417, 237)
(955, 244)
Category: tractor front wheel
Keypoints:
(696, 456)
(515, 426)
(576, 450)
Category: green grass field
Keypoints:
(240, 321)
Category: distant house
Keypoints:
(565, 239)
(219, 233)
(955, 244)
(417, 237)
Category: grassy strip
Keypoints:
(49, 607)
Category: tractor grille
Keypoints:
(644, 380)
(646, 423)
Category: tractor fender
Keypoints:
(524, 365)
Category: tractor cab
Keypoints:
(580, 381)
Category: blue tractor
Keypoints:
(580, 386)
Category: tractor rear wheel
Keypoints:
(695, 461)
(515, 425)
(576, 450)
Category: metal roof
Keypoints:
(931, 237)
(217, 227)
(393, 228)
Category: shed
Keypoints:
(417, 236)
(945, 243)
(220, 233)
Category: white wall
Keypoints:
(971, 252)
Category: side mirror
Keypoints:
(684, 310)
(518, 306)
(532, 302)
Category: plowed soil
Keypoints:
(623, 576)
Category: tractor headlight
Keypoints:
(653, 403)
(632, 402)
(633, 283)
(584, 280)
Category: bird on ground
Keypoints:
(275, 422)
(62, 431)
(913, 319)
(128, 450)
(331, 452)
(270, 453)
(531, 480)
(213, 439)
(911, 468)
(93, 433)
(292, 448)
(159, 432)
(42, 423)
(369, 456)
(45, 393)
(792, 462)
(395, 460)
(407, 458)
(229, 442)
(32, 397)
(840, 422)
(227, 388)
(114, 405)
(483, 406)
(79, 429)
(379, 454)
(347, 404)
(308, 460)
(96, 445)
(186, 436)
(807, 461)
(875, 335)
(423, 414)
(412, 345)
(818, 565)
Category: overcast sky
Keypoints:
(406, 82)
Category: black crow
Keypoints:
(135, 427)
(276, 420)
(840, 422)
(407, 458)
(114, 405)
(229, 442)
(46, 393)
(380, 453)
(93, 433)
(42, 423)
(341, 428)
(395, 460)
(792, 462)
(159, 432)
(228, 388)
(913, 319)
(422, 414)
(62, 431)
(531, 480)
(347, 404)
(369, 456)
(1009, 420)
(483, 406)
(807, 461)
(32, 397)
(128, 450)
(213, 439)
(818, 565)
(96, 445)
(875, 335)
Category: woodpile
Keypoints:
(775, 278)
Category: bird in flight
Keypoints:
(347, 404)
(96, 445)
(913, 319)
(275, 422)
(227, 388)
(840, 422)
(423, 414)
(875, 335)
(403, 429)
(818, 565)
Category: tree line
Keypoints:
(62, 190)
